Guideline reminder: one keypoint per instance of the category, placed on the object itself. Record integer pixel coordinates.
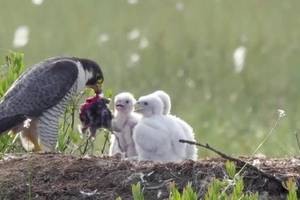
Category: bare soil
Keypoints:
(58, 176)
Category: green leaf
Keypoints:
(230, 169)
(137, 192)
(188, 193)
(292, 188)
(108, 93)
(238, 189)
(214, 190)
(174, 193)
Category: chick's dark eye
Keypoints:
(127, 101)
(146, 103)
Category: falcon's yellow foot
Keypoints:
(37, 148)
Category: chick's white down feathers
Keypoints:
(156, 136)
(165, 99)
(123, 123)
(191, 150)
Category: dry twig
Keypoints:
(297, 138)
(106, 140)
(240, 163)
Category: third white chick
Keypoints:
(191, 150)
(123, 123)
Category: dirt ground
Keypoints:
(58, 176)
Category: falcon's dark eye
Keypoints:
(127, 101)
(99, 77)
(146, 103)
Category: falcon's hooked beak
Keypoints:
(97, 87)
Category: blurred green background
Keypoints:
(185, 48)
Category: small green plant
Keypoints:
(215, 191)
(108, 93)
(187, 194)
(292, 188)
(238, 189)
(220, 189)
(137, 192)
(11, 68)
(174, 193)
(230, 169)
(217, 188)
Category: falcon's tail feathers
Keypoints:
(7, 123)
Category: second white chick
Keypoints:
(156, 136)
(123, 123)
(191, 150)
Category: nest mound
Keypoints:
(59, 176)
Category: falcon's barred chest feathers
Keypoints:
(38, 98)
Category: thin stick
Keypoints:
(239, 162)
(268, 135)
(263, 141)
(206, 146)
(86, 146)
(73, 115)
(105, 141)
(297, 138)
(68, 138)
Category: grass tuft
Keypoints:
(292, 188)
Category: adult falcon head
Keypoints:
(37, 99)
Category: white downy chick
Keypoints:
(123, 123)
(157, 137)
(191, 150)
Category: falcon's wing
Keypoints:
(40, 88)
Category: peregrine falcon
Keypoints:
(38, 98)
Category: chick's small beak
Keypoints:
(138, 107)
